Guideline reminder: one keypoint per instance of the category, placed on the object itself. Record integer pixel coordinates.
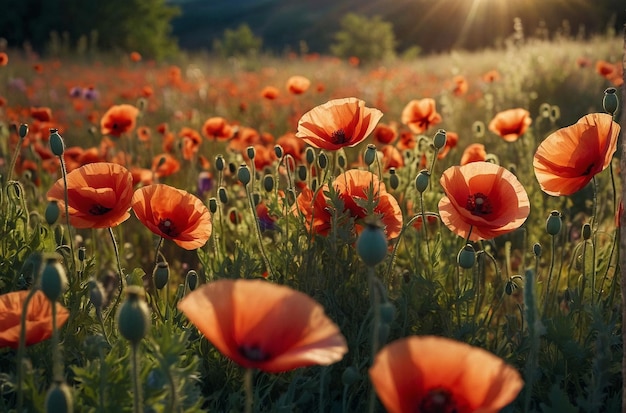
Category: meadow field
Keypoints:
(304, 233)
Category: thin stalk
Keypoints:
(137, 396)
(547, 291)
(20, 350)
(247, 384)
(67, 220)
(257, 227)
(375, 303)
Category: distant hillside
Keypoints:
(434, 25)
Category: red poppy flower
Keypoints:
(98, 195)
(419, 115)
(491, 76)
(217, 128)
(474, 153)
(191, 142)
(4, 59)
(510, 124)
(135, 56)
(38, 318)
(298, 84)
(119, 119)
(460, 85)
(270, 92)
(385, 134)
(570, 157)
(484, 198)
(173, 214)
(42, 114)
(265, 326)
(436, 374)
(165, 165)
(338, 123)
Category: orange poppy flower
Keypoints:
(42, 114)
(482, 197)
(419, 115)
(264, 326)
(491, 76)
(570, 157)
(191, 142)
(297, 85)
(165, 165)
(429, 373)
(144, 134)
(99, 195)
(460, 85)
(392, 158)
(173, 214)
(217, 128)
(135, 56)
(4, 59)
(270, 92)
(119, 119)
(511, 124)
(38, 318)
(385, 134)
(338, 123)
(474, 153)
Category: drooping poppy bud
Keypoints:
(466, 257)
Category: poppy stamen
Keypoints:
(167, 227)
(98, 209)
(478, 204)
(588, 170)
(339, 137)
(438, 400)
(254, 353)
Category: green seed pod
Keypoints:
(256, 198)
(509, 287)
(220, 164)
(59, 399)
(278, 150)
(394, 179)
(223, 195)
(610, 103)
(57, 145)
(371, 245)
(350, 376)
(161, 274)
(192, 279)
(268, 183)
(466, 257)
(439, 141)
(243, 174)
(479, 129)
(537, 250)
(133, 317)
(213, 205)
(586, 231)
(53, 279)
(251, 152)
(553, 223)
(421, 181)
(370, 154)
(322, 160)
(309, 155)
(341, 160)
(23, 130)
(387, 312)
(302, 172)
(82, 254)
(96, 294)
(52, 212)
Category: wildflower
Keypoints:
(460, 85)
(419, 115)
(570, 157)
(338, 123)
(385, 134)
(510, 124)
(436, 374)
(483, 198)
(270, 92)
(173, 214)
(98, 195)
(265, 326)
(38, 318)
(42, 114)
(474, 153)
(297, 85)
(4, 59)
(135, 56)
(217, 128)
(119, 119)
(491, 76)
(165, 165)
(191, 142)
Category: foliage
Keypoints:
(369, 39)
(239, 42)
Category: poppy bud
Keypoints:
(96, 294)
(256, 198)
(394, 180)
(302, 172)
(555, 113)
(278, 150)
(53, 279)
(479, 129)
(466, 257)
(553, 223)
(387, 312)
(219, 163)
(309, 155)
(421, 181)
(59, 399)
(372, 244)
(133, 317)
(161, 274)
(439, 141)
(350, 376)
(192, 279)
(314, 184)
(268, 183)
(251, 152)
(23, 130)
(290, 196)
(213, 205)
(492, 158)
(52, 212)
(586, 231)
(341, 160)
(232, 168)
(370, 154)
(223, 195)
(243, 174)
(82, 251)
(544, 110)
(509, 287)
(537, 250)
(322, 160)
(610, 102)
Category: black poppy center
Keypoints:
(438, 401)
(478, 204)
(588, 170)
(167, 227)
(98, 209)
(254, 353)
(339, 137)
(115, 126)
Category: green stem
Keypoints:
(20, 350)
(137, 397)
(247, 384)
(375, 303)
(257, 227)
(67, 221)
(547, 290)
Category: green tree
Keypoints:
(240, 42)
(369, 39)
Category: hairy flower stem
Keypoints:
(547, 289)
(119, 271)
(375, 299)
(137, 396)
(257, 226)
(247, 385)
(67, 222)
(594, 231)
(20, 350)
